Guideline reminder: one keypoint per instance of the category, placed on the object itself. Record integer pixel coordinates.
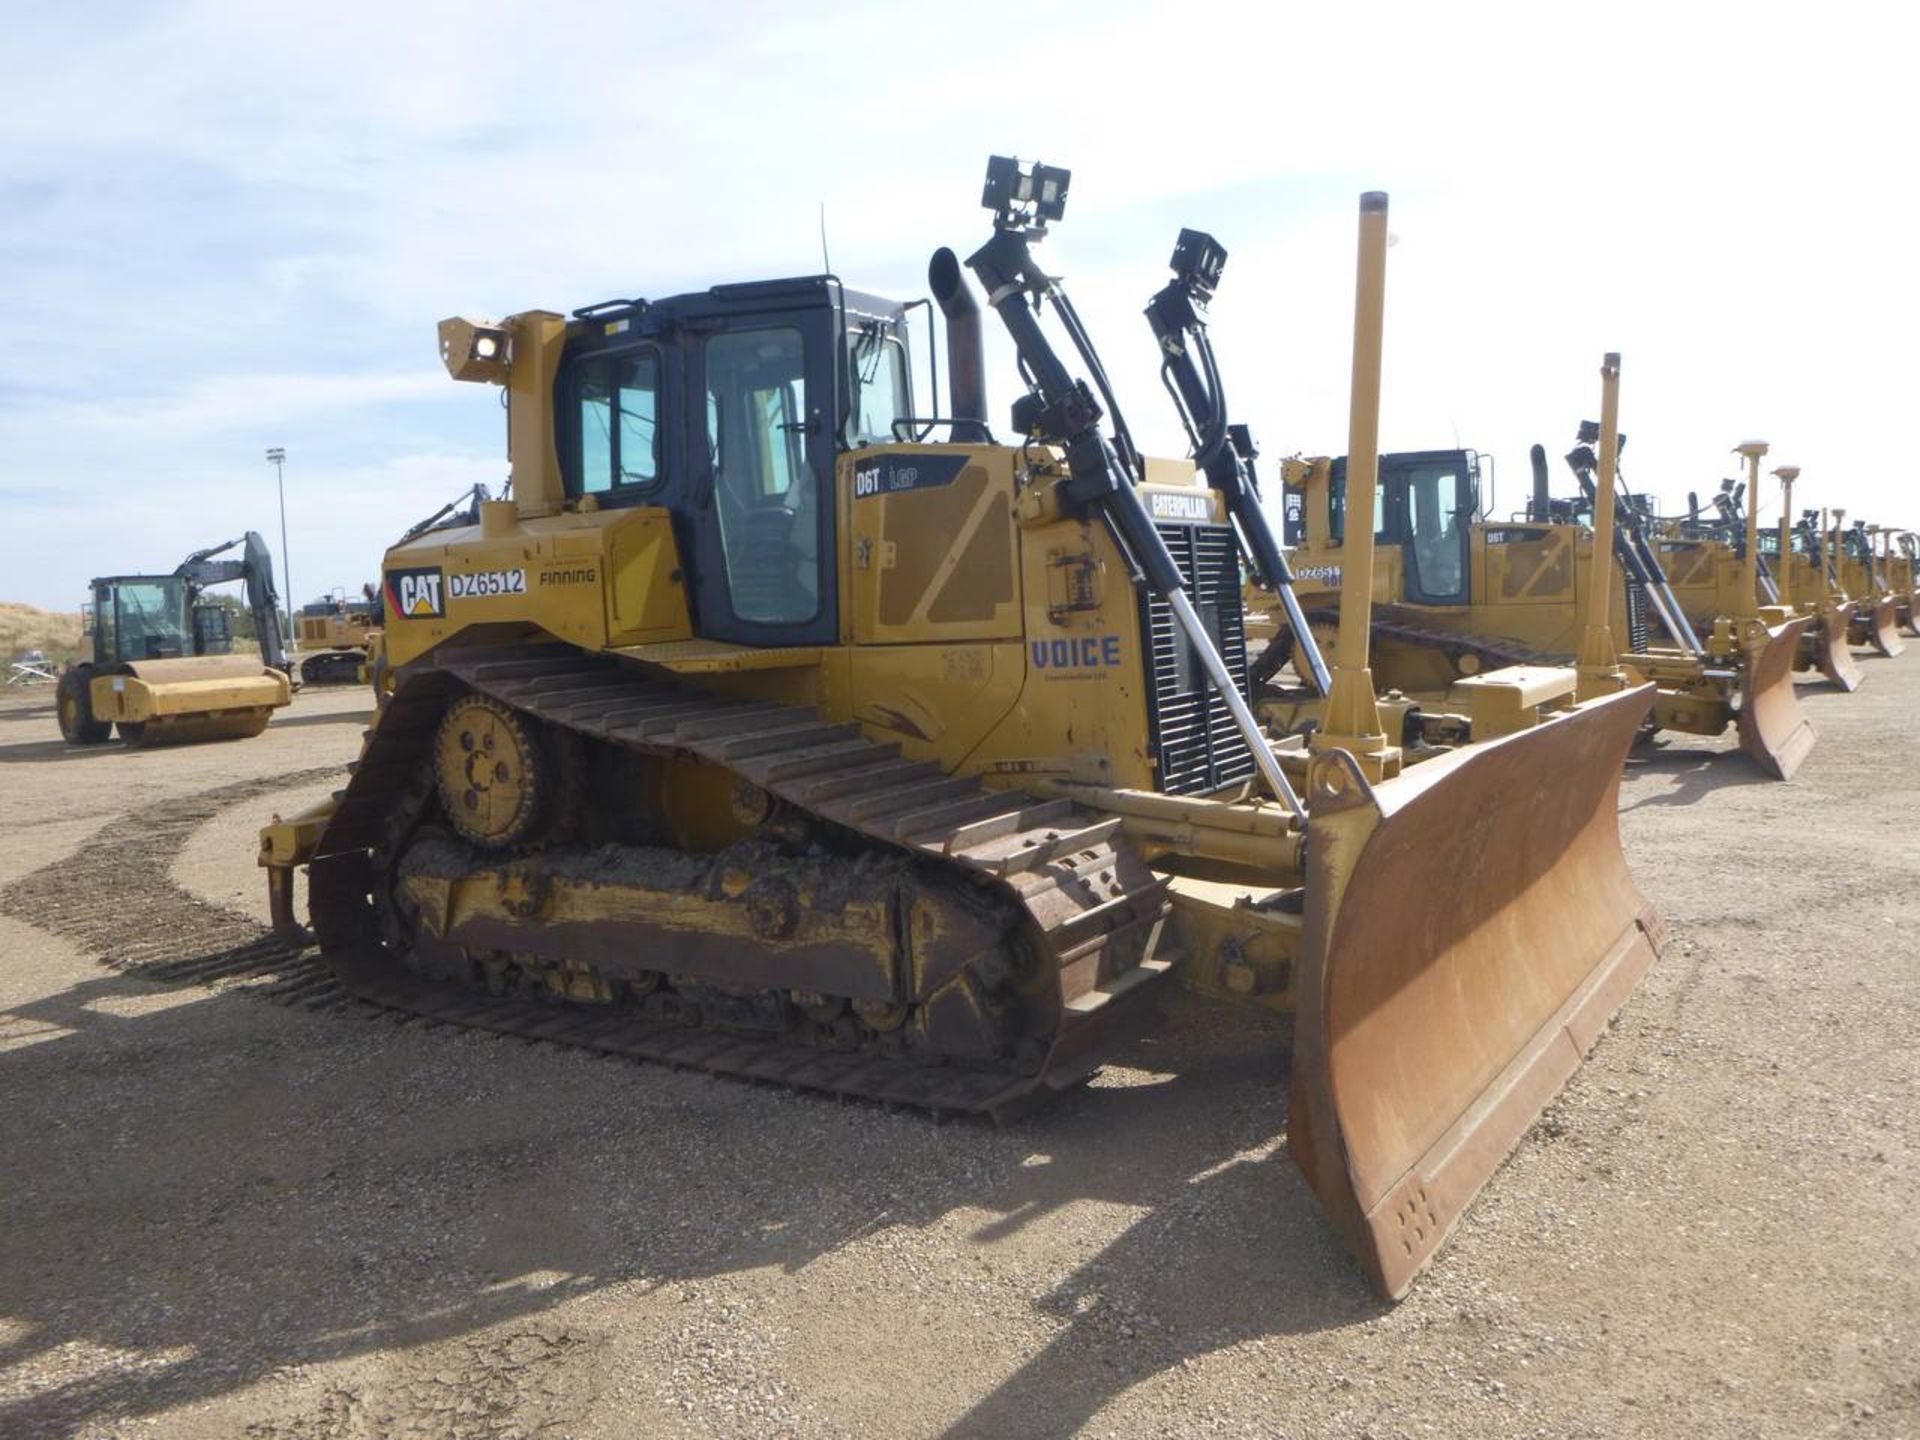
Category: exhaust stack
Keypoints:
(1542, 487)
(1352, 719)
(966, 354)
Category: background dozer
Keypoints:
(162, 669)
(1704, 559)
(1501, 701)
(1903, 573)
(1461, 593)
(1863, 574)
(764, 731)
(1793, 582)
(335, 635)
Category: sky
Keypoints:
(229, 226)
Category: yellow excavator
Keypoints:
(1461, 592)
(762, 731)
(162, 669)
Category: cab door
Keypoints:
(1435, 495)
(761, 443)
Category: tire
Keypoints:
(73, 701)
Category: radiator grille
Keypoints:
(1196, 748)
(1639, 629)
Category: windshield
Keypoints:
(878, 365)
(145, 619)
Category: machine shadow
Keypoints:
(1696, 773)
(56, 751)
(358, 718)
(211, 1188)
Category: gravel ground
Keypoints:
(223, 1216)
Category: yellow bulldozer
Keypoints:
(162, 668)
(1864, 574)
(1704, 559)
(777, 728)
(1460, 592)
(1904, 575)
(335, 635)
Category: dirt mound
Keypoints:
(55, 633)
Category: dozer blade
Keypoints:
(1470, 927)
(1883, 629)
(1832, 653)
(1773, 731)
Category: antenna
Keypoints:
(825, 264)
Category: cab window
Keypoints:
(1337, 506)
(765, 494)
(618, 416)
(878, 368)
(1439, 513)
(147, 620)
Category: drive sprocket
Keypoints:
(493, 774)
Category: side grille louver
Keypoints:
(1195, 745)
(1639, 620)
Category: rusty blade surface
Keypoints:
(1883, 629)
(1471, 926)
(1832, 654)
(1773, 730)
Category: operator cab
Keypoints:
(1424, 501)
(729, 408)
(140, 617)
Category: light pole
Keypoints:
(277, 457)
